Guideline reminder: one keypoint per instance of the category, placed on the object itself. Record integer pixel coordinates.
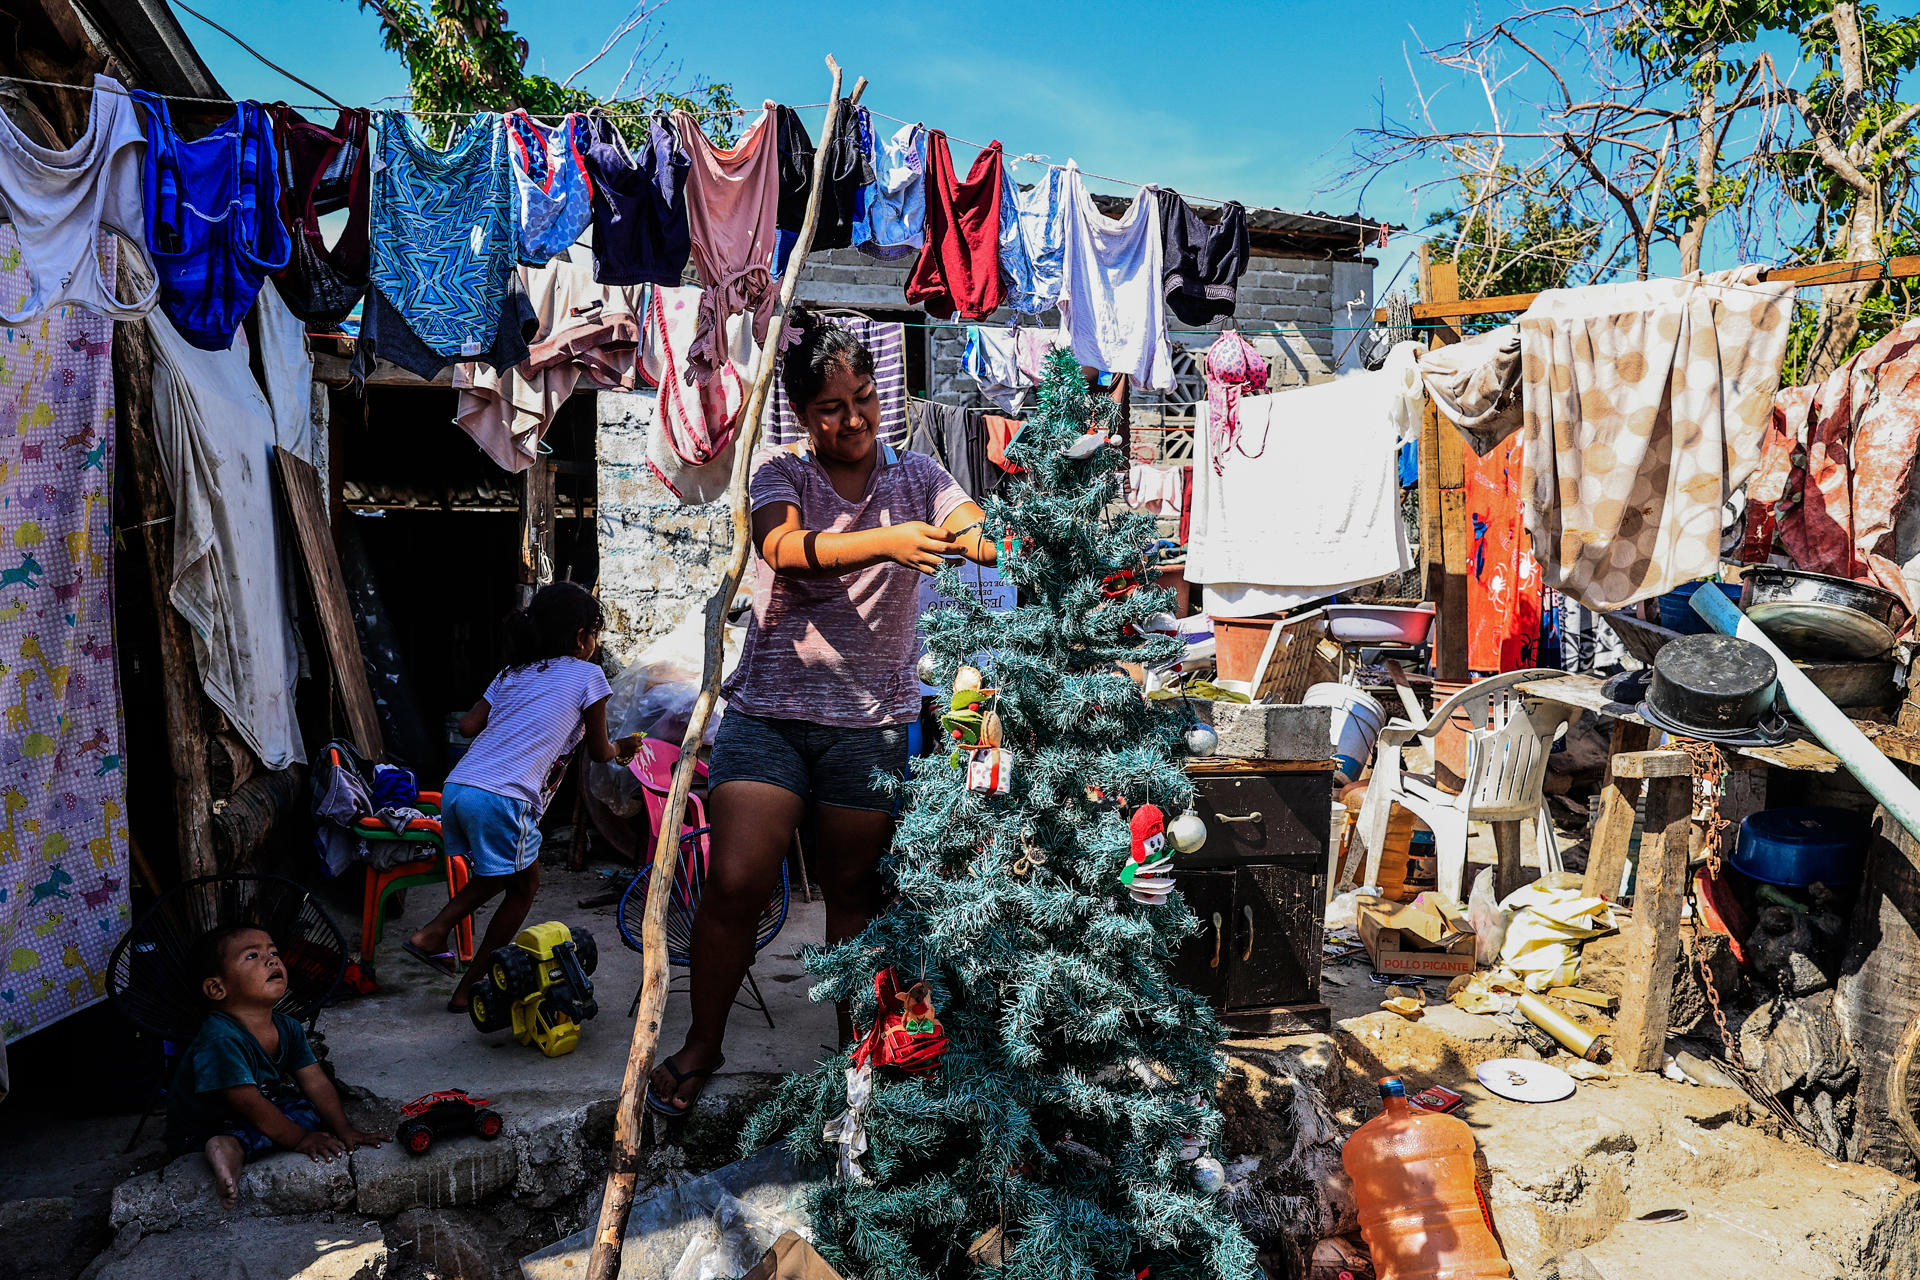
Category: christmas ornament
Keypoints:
(1201, 740)
(1089, 444)
(1162, 623)
(1031, 854)
(1010, 545)
(967, 720)
(928, 669)
(1209, 1175)
(1146, 875)
(1187, 832)
(892, 1042)
(848, 1130)
(990, 770)
(1117, 586)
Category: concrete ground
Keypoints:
(401, 1043)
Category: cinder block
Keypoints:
(1269, 730)
(465, 1171)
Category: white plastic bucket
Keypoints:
(1358, 718)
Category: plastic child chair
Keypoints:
(434, 867)
(653, 767)
(1507, 750)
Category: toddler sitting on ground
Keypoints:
(249, 1081)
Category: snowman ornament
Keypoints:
(1148, 875)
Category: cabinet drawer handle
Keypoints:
(1248, 953)
(1216, 940)
(1224, 818)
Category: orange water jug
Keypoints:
(1421, 1211)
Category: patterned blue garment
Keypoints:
(892, 225)
(1033, 242)
(212, 218)
(443, 231)
(553, 193)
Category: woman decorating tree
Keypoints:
(845, 528)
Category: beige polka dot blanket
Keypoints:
(1644, 406)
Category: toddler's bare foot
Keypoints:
(225, 1156)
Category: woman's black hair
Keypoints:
(550, 627)
(819, 347)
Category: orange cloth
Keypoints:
(1000, 433)
(1503, 578)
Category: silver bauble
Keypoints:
(1209, 1175)
(928, 669)
(1187, 832)
(1201, 740)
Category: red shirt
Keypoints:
(959, 269)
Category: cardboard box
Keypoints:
(1427, 937)
(792, 1258)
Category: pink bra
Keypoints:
(1234, 368)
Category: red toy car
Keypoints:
(445, 1112)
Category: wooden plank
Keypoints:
(1585, 691)
(1229, 764)
(1612, 838)
(1580, 995)
(536, 529)
(1506, 867)
(331, 370)
(300, 487)
(1286, 665)
(179, 675)
(1669, 762)
(1819, 273)
(1404, 688)
(1653, 935)
(1443, 500)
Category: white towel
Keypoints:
(1308, 500)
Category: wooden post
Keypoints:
(1443, 499)
(536, 529)
(187, 744)
(1613, 825)
(1653, 937)
(1506, 870)
(623, 1169)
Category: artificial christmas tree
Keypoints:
(1063, 1129)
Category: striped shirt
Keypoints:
(887, 340)
(533, 724)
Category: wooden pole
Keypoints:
(1443, 502)
(623, 1170)
(1653, 936)
(187, 743)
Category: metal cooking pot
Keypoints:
(1717, 689)
(1816, 615)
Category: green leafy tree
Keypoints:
(1506, 239)
(462, 57)
(1077, 1069)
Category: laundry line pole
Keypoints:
(623, 1170)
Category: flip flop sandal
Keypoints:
(439, 961)
(655, 1105)
(462, 1009)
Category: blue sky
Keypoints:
(1245, 100)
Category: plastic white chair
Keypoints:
(1507, 750)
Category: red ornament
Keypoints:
(1149, 827)
(906, 1034)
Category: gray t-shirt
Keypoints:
(839, 651)
(533, 723)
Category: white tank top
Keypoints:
(59, 200)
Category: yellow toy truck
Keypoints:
(538, 985)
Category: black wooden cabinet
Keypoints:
(1258, 887)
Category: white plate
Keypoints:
(1523, 1080)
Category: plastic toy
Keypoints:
(443, 1113)
(538, 985)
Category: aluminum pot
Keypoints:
(1816, 615)
(1717, 689)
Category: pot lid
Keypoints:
(1714, 666)
(1523, 1080)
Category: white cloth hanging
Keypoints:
(215, 433)
(286, 367)
(1308, 503)
(1113, 314)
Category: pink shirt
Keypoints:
(839, 651)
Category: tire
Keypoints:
(489, 1009)
(586, 950)
(488, 1124)
(416, 1137)
(515, 972)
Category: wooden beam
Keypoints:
(1443, 504)
(332, 371)
(1669, 762)
(1819, 273)
(629, 1118)
(300, 487)
(536, 529)
(1506, 868)
(1612, 838)
(1653, 936)
(187, 744)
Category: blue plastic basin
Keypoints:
(1801, 846)
(1676, 608)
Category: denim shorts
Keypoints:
(497, 835)
(820, 763)
(254, 1143)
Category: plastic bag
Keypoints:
(730, 1241)
(1489, 920)
(654, 695)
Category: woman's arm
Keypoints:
(790, 547)
(474, 720)
(969, 535)
(599, 746)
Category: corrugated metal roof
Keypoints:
(1340, 237)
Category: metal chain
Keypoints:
(1709, 783)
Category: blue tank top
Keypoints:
(443, 231)
(640, 230)
(553, 195)
(212, 218)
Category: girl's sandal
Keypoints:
(439, 961)
(661, 1108)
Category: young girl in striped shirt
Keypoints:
(549, 695)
